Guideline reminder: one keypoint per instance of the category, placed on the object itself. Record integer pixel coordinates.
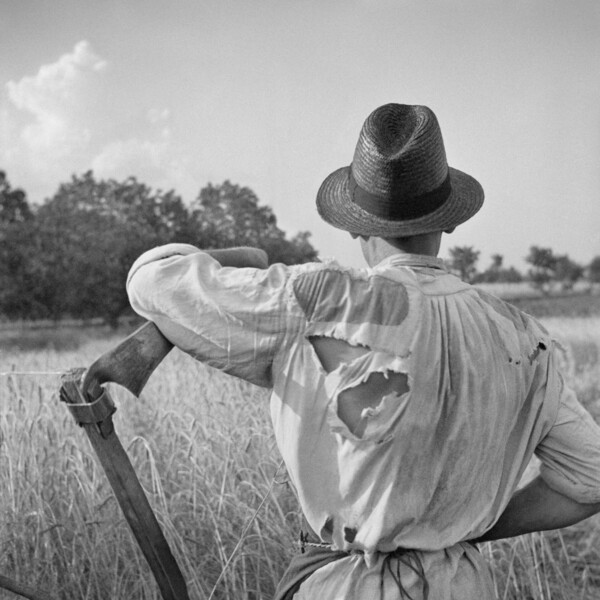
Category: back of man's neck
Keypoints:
(377, 249)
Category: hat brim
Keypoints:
(335, 206)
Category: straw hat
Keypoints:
(399, 183)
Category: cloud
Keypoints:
(56, 82)
(56, 99)
(52, 124)
(154, 161)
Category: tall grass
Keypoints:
(203, 451)
(202, 446)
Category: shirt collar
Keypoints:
(412, 260)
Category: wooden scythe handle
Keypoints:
(129, 364)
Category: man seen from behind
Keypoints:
(405, 403)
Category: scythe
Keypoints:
(129, 364)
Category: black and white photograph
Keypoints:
(300, 300)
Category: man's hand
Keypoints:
(537, 507)
(242, 256)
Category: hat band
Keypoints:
(397, 208)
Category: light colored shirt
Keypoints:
(458, 390)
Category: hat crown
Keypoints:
(399, 183)
(400, 152)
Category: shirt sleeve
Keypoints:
(570, 452)
(234, 319)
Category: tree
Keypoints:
(297, 251)
(594, 270)
(228, 215)
(162, 213)
(463, 261)
(16, 220)
(88, 235)
(543, 264)
(70, 257)
(496, 273)
(492, 273)
(497, 260)
(510, 275)
(13, 203)
(19, 279)
(548, 268)
(567, 272)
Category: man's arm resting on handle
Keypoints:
(239, 257)
(537, 507)
(242, 256)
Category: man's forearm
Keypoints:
(240, 257)
(537, 507)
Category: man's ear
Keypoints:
(449, 230)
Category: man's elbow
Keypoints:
(139, 287)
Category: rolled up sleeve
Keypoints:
(570, 452)
(233, 319)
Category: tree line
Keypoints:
(547, 272)
(69, 256)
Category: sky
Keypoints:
(272, 94)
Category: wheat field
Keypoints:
(203, 449)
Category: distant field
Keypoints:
(204, 451)
(575, 305)
(583, 302)
(524, 289)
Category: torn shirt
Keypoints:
(466, 389)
